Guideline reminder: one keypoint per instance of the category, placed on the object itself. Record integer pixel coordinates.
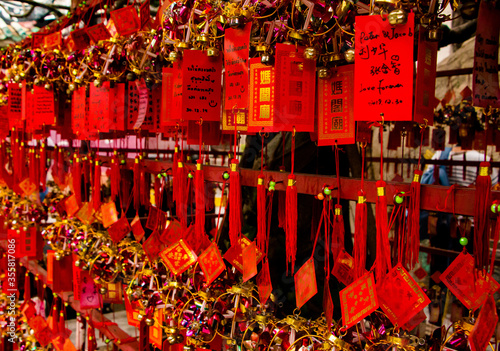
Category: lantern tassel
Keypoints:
(77, 179)
(115, 177)
(137, 180)
(27, 287)
(261, 213)
(360, 235)
(382, 261)
(234, 203)
(199, 200)
(414, 219)
(291, 222)
(481, 217)
(96, 190)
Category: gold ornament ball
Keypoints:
(323, 73)
(397, 17)
(103, 290)
(47, 86)
(97, 83)
(310, 53)
(349, 55)
(150, 321)
(212, 52)
(71, 87)
(57, 256)
(173, 56)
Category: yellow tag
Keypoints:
(179, 164)
(361, 199)
(260, 181)
(234, 167)
(484, 171)
(416, 177)
(338, 211)
(198, 166)
(176, 149)
(381, 191)
(291, 182)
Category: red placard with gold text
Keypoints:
(152, 118)
(383, 79)
(400, 297)
(235, 254)
(261, 112)
(16, 99)
(177, 90)
(426, 79)
(43, 107)
(236, 49)
(145, 13)
(178, 257)
(249, 255)
(469, 289)
(201, 89)
(358, 300)
(485, 73)
(53, 40)
(485, 326)
(156, 330)
(305, 283)
(98, 32)
(295, 90)
(236, 118)
(126, 20)
(79, 113)
(335, 107)
(211, 263)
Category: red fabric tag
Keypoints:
(172, 233)
(211, 263)
(264, 283)
(178, 257)
(137, 104)
(99, 102)
(77, 279)
(156, 330)
(126, 20)
(197, 244)
(177, 91)
(305, 283)
(27, 187)
(400, 297)
(485, 326)
(89, 295)
(167, 95)
(425, 88)
(234, 254)
(153, 246)
(50, 265)
(486, 91)
(29, 239)
(137, 229)
(16, 101)
(236, 49)
(415, 320)
(145, 13)
(436, 276)
(342, 268)
(363, 132)
(232, 118)
(261, 111)
(156, 218)
(86, 213)
(98, 32)
(249, 261)
(117, 107)
(358, 300)
(71, 205)
(113, 293)
(52, 41)
(459, 278)
(201, 91)
(132, 311)
(210, 133)
(119, 229)
(27, 111)
(37, 40)
(79, 113)
(295, 89)
(420, 273)
(43, 107)
(152, 119)
(328, 305)
(63, 270)
(383, 79)
(80, 39)
(109, 214)
(335, 107)
(42, 334)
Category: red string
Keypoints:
(338, 172)
(262, 154)
(363, 151)
(293, 150)
(420, 148)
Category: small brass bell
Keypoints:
(266, 59)
(310, 53)
(349, 55)
(173, 56)
(323, 73)
(47, 86)
(203, 37)
(77, 263)
(296, 35)
(235, 22)
(397, 17)
(179, 339)
(434, 34)
(97, 83)
(260, 48)
(212, 52)
(150, 322)
(57, 256)
(103, 290)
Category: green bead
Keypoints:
(225, 175)
(327, 191)
(159, 175)
(464, 241)
(164, 174)
(272, 184)
(123, 162)
(190, 175)
(399, 199)
(494, 208)
(271, 188)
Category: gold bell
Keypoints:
(235, 21)
(266, 59)
(103, 290)
(434, 34)
(397, 17)
(173, 56)
(323, 73)
(295, 35)
(335, 57)
(182, 45)
(212, 52)
(349, 55)
(150, 322)
(203, 37)
(310, 53)
(57, 256)
(77, 263)
(260, 48)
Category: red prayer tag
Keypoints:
(172, 233)
(126, 20)
(415, 321)
(328, 305)
(37, 40)
(426, 79)
(436, 276)
(27, 187)
(117, 107)
(383, 79)
(156, 218)
(109, 214)
(249, 256)
(132, 311)
(261, 111)
(232, 119)
(86, 213)
(236, 50)
(459, 278)
(99, 103)
(52, 41)
(79, 113)
(42, 334)
(198, 244)
(358, 300)
(113, 293)
(63, 270)
(145, 13)
(16, 100)
(153, 246)
(152, 118)
(137, 104)
(137, 229)
(342, 268)
(400, 297)
(305, 283)
(29, 239)
(80, 39)
(201, 91)
(335, 107)
(485, 326)
(264, 283)
(98, 32)
(77, 278)
(167, 95)
(156, 330)
(89, 296)
(43, 107)
(211, 263)
(14, 235)
(234, 254)
(50, 265)
(177, 91)
(295, 89)
(71, 205)
(420, 273)
(119, 229)
(486, 91)
(178, 257)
